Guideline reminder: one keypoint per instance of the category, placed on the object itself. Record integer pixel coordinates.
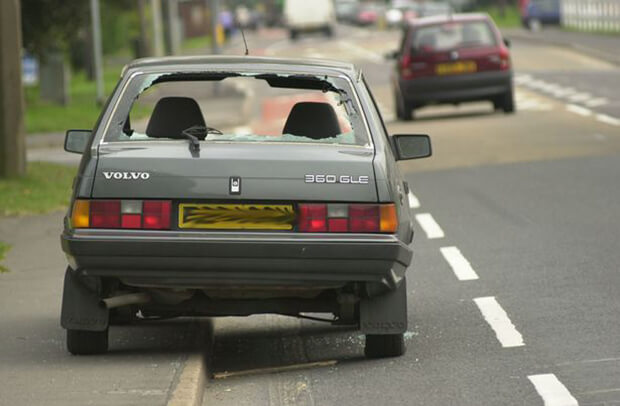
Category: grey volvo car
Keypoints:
(292, 205)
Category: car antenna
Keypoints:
(247, 51)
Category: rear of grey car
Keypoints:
(172, 217)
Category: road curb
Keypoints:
(190, 387)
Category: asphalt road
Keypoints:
(528, 200)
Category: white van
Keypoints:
(309, 15)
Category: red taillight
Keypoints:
(405, 67)
(129, 214)
(504, 56)
(347, 218)
(312, 218)
(156, 215)
(364, 218)
(105, 214)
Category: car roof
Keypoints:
(243, 63)
(447, 18)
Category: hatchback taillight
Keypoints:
(347, 218)
(129, 214)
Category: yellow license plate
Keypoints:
(456, 67)
(236, 216)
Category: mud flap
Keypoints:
(385, 314)
(81, 305)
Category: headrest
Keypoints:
(312, 120)
(172, 115)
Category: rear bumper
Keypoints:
(455, 88)
(201, 259)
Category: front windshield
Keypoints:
(248, 108)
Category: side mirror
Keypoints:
(77, 140)
(412, 146)
(392, 55)
(507, 42)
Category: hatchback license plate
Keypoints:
(236, 216)
(456, 67)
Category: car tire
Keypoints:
(383, 346)
(293, 34)
(508, 102)
(329, 31)
(404, 110)
(83, 342)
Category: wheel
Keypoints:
(382, 346)
(293, 34)
(82, 342)
(329, 32)
(507, 102)
(404, 111)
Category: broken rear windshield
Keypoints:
(231, 107)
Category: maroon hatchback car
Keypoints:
(452, 59)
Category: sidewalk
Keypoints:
(606, 47)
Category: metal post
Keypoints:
(158, 45)
(173, 26)
(12, 143)
(97, 50)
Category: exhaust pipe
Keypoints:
(126, 300)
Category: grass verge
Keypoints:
(510, 19)
(81, 112)
(46, 187)
(4, 248)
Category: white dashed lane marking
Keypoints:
(582, 111)
(429, 225)
(505, 331)
(604, 118)
(414, 203)
(553, 392)
(459, 264)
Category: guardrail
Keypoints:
(591, 15)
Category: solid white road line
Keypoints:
(604, 118)
(553, 392)
(460, 265)
(497, 318)
(414, 203)
(429, 225)
(582, 111)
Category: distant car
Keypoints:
(536, 13)
(368, 14)
(302, 16)
(173, 218)
(452, 59)
(346, 10)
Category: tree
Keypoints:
(12, 144)
(52, 24)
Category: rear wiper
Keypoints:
(194, 144)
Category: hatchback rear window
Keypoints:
(232, 108)
(453, 35)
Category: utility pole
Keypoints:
(97, 51)
(158, 45)
(143, 43)
(12, 142)
(215, 12)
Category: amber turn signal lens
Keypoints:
(80, 216)
(389, 219)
